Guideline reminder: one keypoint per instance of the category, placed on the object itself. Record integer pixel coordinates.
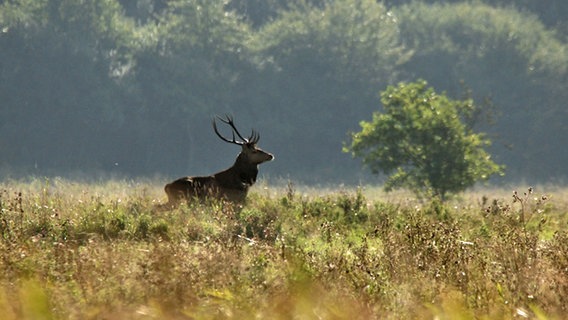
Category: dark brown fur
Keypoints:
(231, 184)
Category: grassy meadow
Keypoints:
(72, 250)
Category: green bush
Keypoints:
(422, 141)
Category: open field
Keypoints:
(100, 251)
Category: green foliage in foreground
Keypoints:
(77, 251)
(423, 141)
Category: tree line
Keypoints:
(130, 87)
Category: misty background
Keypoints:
(128, 88)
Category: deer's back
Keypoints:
(187, 188)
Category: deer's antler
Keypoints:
(254, 137)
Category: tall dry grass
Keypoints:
(100, 251)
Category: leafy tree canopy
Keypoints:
(103, 82)
(422, 141)
(478, 31)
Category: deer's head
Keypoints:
(250, 152)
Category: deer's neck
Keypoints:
(241, 175)
(246, 170)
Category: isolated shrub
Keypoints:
(423, 142)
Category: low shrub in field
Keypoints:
(107, 253)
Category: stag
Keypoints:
(231, 184)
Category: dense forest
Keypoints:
(129, 87)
